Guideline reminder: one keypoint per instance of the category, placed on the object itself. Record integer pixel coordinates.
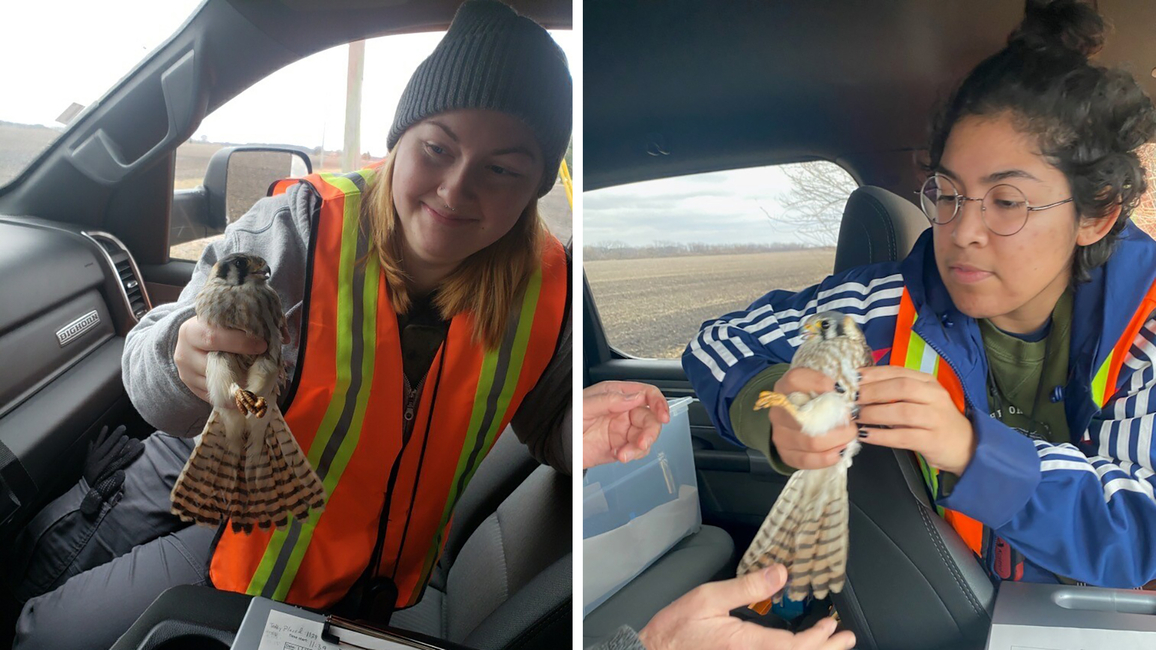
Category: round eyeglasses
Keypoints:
(1004, 209)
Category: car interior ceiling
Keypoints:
(89, 220)
(684, 87)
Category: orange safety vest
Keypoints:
(911, 351)
(346, 410)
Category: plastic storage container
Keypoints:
(633, 513)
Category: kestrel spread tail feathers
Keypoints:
(247, 468)
(807, 530)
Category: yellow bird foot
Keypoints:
(768, 399)
(248, 403)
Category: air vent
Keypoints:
(128, 275)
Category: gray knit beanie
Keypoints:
(492, 58)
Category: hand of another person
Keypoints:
(620, 421)
(701, 620)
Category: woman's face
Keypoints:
(1013, 280)
(461, 180)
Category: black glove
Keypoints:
(106, 489)
(110, 452)
(108, 455)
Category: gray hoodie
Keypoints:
(277, 229)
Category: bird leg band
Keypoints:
(762, 607)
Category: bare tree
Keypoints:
(813, 207)
(1145, 213)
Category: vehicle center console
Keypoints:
(1061, 617)
(188, 617)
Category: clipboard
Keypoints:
(271, 625)
(351, 634)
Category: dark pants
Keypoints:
(87, 580)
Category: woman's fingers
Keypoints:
(904, 388)
(222, 339)
(902, 438)
(804, 380)
(897, 415)
(873, 374)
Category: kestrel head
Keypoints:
(238, 268)
(829, 325)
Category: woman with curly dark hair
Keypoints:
(1016, 344)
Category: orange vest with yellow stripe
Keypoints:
(911, 351)
(346, 410)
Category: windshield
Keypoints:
(63, 57)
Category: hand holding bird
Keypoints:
(796, 448)
(247, 469)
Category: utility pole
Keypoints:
(351, 155)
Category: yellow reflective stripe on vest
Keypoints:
(921, 357)
(501, 369)
(286, 549)
(1100, 392)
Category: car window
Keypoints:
(44, 94)
(663, 256)
(275, 111)
(1145, 213)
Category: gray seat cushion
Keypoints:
(698, 558)
(500, 473)
(511, 582)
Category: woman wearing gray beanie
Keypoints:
(427, 310)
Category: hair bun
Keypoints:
(1060, 25)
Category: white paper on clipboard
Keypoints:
(284, 631)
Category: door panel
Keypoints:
(166, 281)
(61, 338)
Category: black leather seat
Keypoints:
(911, 581)
(878, 226)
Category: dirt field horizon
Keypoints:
(653, 307)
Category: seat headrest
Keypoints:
(878, 226)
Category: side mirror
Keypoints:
(237, 177)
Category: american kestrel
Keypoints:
(247, 468)
(806, 530)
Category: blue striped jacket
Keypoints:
(1085, 509)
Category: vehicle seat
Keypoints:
(911, 581)
(699, 558)
(877, 226)
(505, 577)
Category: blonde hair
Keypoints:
(486, 285)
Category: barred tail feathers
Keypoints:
(201, 493)
(806, 531)
(309, 492)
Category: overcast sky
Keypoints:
(79, 62)
(714, 208)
